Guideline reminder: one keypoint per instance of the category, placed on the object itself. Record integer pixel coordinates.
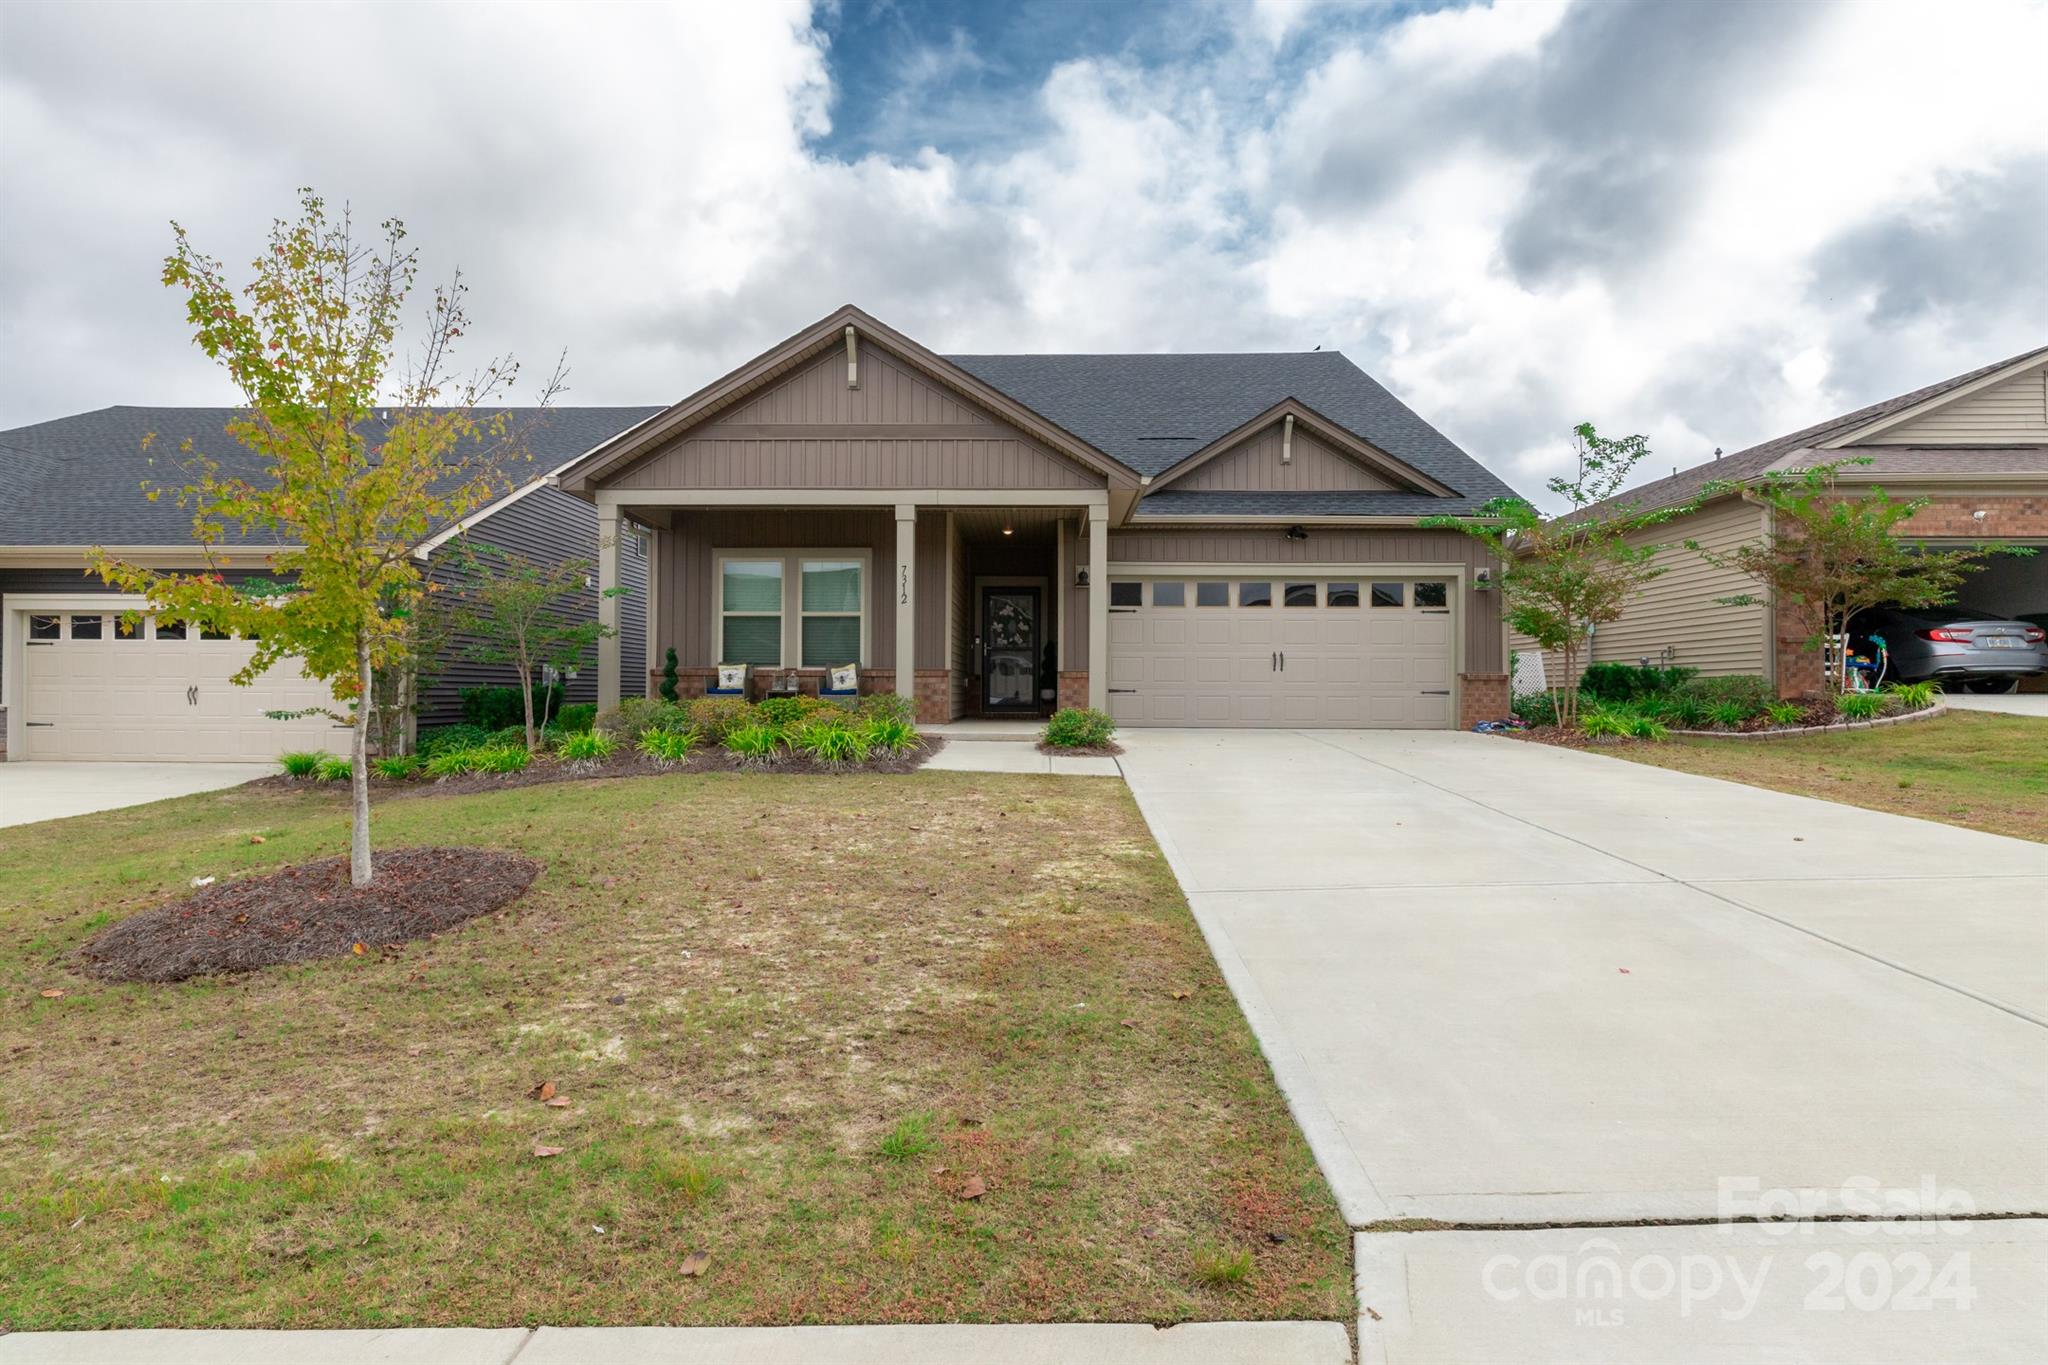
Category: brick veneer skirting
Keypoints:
(1482, 696)
(934, 696)
(1073, 688)
(695, 682)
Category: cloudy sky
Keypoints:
(1709, 223)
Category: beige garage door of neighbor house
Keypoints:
(1269, 651)
(158, 695)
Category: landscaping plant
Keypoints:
(501, 758)
(887, 735)
(1860, 705)
(397, 767)
(1914, 696)
(1078, 727)
(303, 764)
(668, 676)
(445, 737)
(361, 458)
(668, 747)
(886, 706)
(1729, 715)
(576, 717)
(830, 743)
(1599, 723)
(334, 770)
(455, 762)
(1784, 712)
(1630, 682)
(1561, 577)
(754, 743)
(1830, 555)
(717, 717)
(588, 748)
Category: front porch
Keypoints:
(971, 604)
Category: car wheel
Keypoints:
(1990, 687)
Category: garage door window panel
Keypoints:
(1433, 596)
(1299, 595)
(45, 627)
(1127, 592)
(1389, 594)
(170, 630)
(1212, 594)
(87, 627)
(1255, 594)
(1341, 595)
(1169, 594)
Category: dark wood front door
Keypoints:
(1009, 649)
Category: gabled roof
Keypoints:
(78, 480)
(1750, 464)
(1154, 411)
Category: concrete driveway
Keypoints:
(1507, 984)
(53, 791)
(2011, 704)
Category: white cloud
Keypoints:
(1518, 216)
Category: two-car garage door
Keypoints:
(92, 690)
(1273, 651)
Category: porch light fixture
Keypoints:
(1009, 530)
(1297, 533)
(1081, 578)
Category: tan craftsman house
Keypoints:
(1975, 446)
(1211, 540)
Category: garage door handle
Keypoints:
(41, 724)
(1275, 661)
(1114, 690)
(1445, 692)
(1283, 661)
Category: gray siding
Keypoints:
(1227, 545)
(549, 527)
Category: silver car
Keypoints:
(1960, 647)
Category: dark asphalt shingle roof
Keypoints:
(1745, 465)
(1152, 411)
(1206, 502)
(77, 480)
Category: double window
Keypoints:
(802, 607)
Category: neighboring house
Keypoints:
(1975, 446)
(72, 686)
(1223, 540)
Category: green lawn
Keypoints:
(843, 1000)
(1971, 768)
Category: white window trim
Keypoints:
(792, 612)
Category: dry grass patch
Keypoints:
(885, 1048)
(1975, 769)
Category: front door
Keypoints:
(1009, 649)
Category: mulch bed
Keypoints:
(1111, 750)
(308, 911)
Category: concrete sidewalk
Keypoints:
(1007, 756)
(1195, 1343)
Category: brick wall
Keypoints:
(1073, 689)
(1800, 670)
(934, 696)
(1482, 696)
(695, 682)
(2005, 516)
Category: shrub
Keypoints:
(1683, 712)
(717, 717)
(453, 762)
(511, 734)
(886, 706)
(303, 764)
(1914, 696)
(577, 717)
(1746, 690)
(834, 742)
(668, 676)
(396, 768)
(1605, 723)
(335, 770)
(888, 735)
(587, 747)
(791, 713)
(446, 737)
(1078, 727)
(1630, 682)
(1643, 726)
(496, 708)
(502, 758)
(1536, 708)
(1784, 712)
(1728, 715)
(635, 716)
(668, 747)
(754, 742)
(1859, 705)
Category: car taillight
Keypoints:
(2035, 635)
(1948, 635)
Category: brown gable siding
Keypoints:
(1254, 465)
(897, 430)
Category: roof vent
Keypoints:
(852, 359)
(1287, 439)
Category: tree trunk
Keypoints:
(359, 771)
(526, 698)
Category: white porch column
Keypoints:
(906, 601)
(608, 607)
(1098, 608)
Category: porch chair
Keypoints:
(731, 682)
(841, 684)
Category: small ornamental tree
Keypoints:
(362, 454)
(669, 689)
(1829, 557)
(512, 610)
(1561, 577)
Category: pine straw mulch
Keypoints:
(308, 911)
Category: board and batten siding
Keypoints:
(897, 430)
(1225, 546)
(1678, 610)
(2014, 409)
(1254, 464)
(548, 527)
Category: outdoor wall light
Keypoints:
(1081, 579)
(1009, 530)
(1297, 533)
